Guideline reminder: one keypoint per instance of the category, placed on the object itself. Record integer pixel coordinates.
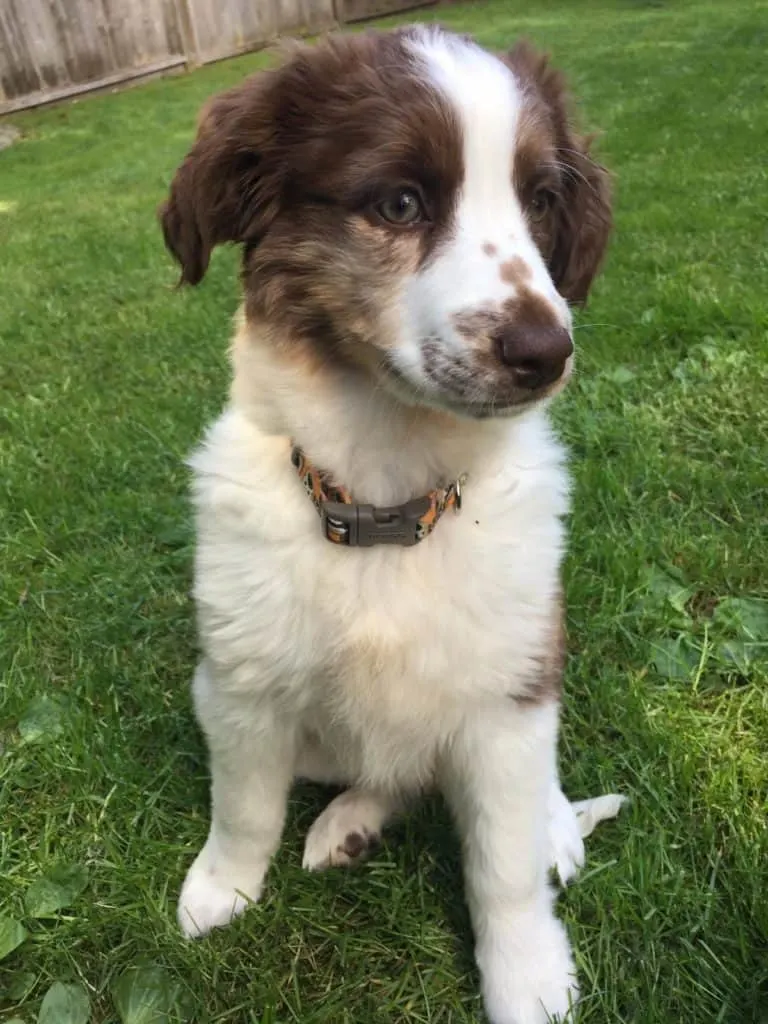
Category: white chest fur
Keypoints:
(382, 646)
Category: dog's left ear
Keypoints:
(583, 217)
(583, 222)
(227, 189)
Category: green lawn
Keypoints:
(107, 377)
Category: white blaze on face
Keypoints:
(465, 276)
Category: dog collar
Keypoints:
(343, 521)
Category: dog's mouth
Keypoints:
(475, 395)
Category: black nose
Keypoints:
(535, 355)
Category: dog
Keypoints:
(379, 508)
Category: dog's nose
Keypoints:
(535, 355)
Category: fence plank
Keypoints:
(77, 36)
(143, 31)
(226, 27)
(19, 71)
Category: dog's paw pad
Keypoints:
(347, 832)
(357, 845)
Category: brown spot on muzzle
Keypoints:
(525, 309)
(515, 271)
(490, 249)
(531, 309)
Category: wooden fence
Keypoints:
(53, 49)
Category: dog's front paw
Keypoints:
(528, 973)
(213, 895)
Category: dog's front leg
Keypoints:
(497, 776)
(252, 754)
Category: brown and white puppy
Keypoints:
(416, 215)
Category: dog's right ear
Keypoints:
(227, 189)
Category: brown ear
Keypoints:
(227, 189)
(583, 216)
(583, 222)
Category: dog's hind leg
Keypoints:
(349, 828)
(570, 823)
(566, 845)
(590, 813)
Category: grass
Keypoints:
(107, 378)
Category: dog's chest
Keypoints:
(400, 637)
(415, 635)
(450, 616)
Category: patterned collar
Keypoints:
(345, 522)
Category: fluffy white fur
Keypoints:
(392, 669)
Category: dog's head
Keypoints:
(407, 203)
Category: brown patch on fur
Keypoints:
(515, 271)
(530, 310)
(548, 682)
(535, 145)
(292, 162)
(527, 309)
(552, 159)
(490, 249)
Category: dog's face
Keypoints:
(408, 203)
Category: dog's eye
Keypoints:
(402, 208)
(541, 203)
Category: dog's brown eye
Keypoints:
(402, 208)
(541, 203)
